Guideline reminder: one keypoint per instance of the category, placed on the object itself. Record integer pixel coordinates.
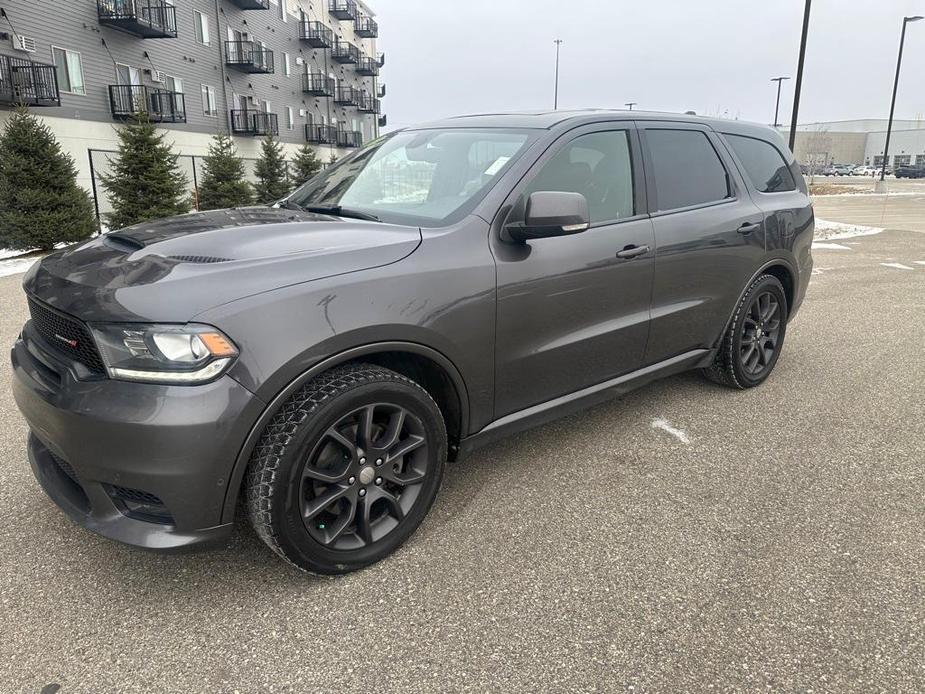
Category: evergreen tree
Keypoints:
(145, 181)
(41, 204)
(305, 164)
(223, 183)
(271, 171)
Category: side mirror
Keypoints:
(551, 213)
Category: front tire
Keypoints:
(347, 469)
(753, 340)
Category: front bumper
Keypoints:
(97, 445)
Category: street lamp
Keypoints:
(889, 125)
(779, 81)
(555, 103)
(799, 84)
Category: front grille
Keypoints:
(67, 335)
(65, 467)
(136, 495)
(140, 505)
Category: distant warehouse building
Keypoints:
(860, 142)
(302, 70)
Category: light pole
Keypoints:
(889, 125)
(779, 81)
(799, 84)
(555, 103)
(630, 104)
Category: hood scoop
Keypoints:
(128, 244)
(199, 259)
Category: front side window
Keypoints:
(599, 167)
(763, 163)
(70, 71)
(687, 169)
(423, 177)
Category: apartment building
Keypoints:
(303, 70)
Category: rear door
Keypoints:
(571, 312)
(709, 236)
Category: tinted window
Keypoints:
(687, 169)
(763, 163)
(597, 166)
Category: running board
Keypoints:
(582, 399)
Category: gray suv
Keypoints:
(320, 360)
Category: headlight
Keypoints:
(182, 354)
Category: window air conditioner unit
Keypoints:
(158, 76)
(24, 43)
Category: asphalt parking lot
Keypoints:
(774, 542)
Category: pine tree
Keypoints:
(305, 164)
(223, 183)
(145, 181)
(271, 171)
(41, 204)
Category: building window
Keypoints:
(901, 159)
(201, 24)
(208, 101)
(920, 159)
(290, 123)
(286, 69)
(878, 160)
(173, 84)
(70, 72)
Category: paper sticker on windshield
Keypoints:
(496, 166)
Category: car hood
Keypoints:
(173, 269)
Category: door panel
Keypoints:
(703, 258)
(570, 312)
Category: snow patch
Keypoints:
(898, 266)
(828, 230)
(830, 246)
(665, 426)
(15, 266)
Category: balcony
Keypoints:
(383, 121)
(344, 10)
(367, 66)
(248, 56)
(345, 96)
(345, 52)
(317, 84)
(366, 27)
(158, 105)
(320, 134)
(380, 91)
(251, 4)
(149, 19)
(349, 138)
(381, 60)
(367, 104)
(28, 83)
(255, 123)
(316, 34)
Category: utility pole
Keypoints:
(630, 104)
(889, 125)
(779, 81)
(555, 103)
(799, 84)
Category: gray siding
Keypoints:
(74, 25)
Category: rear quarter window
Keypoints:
(687, 169)
(764, 164)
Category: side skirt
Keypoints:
(580, 400)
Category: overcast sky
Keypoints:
(716, 57)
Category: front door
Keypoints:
(571, 313)
(130, 96)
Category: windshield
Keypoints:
(421, 177)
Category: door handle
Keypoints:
(749, 227)
(632, 251)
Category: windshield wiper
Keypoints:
(290, 205)
(338, 211)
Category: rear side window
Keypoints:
(763, 163)
(687, 169)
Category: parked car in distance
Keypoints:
(843, 169)
(443, 286)
(910, 171)
(862, 170)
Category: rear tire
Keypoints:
(753, 340)
(347, 469)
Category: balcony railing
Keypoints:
(316, 34)
(320, 134)
(366, 27)
(251, 4)
(380, 91)
(345, 95)
(367, 66)
(254, 123)
(157, 105)
(149, 19)
(366, 103)
(349, 138)
(249, 56)
(344, 10)
(381, 59)
(28, 83)
(317, 84)
(345, 52)
(383, 121)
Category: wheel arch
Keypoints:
(780, 268)
(430, 368)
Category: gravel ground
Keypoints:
(782, 549)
